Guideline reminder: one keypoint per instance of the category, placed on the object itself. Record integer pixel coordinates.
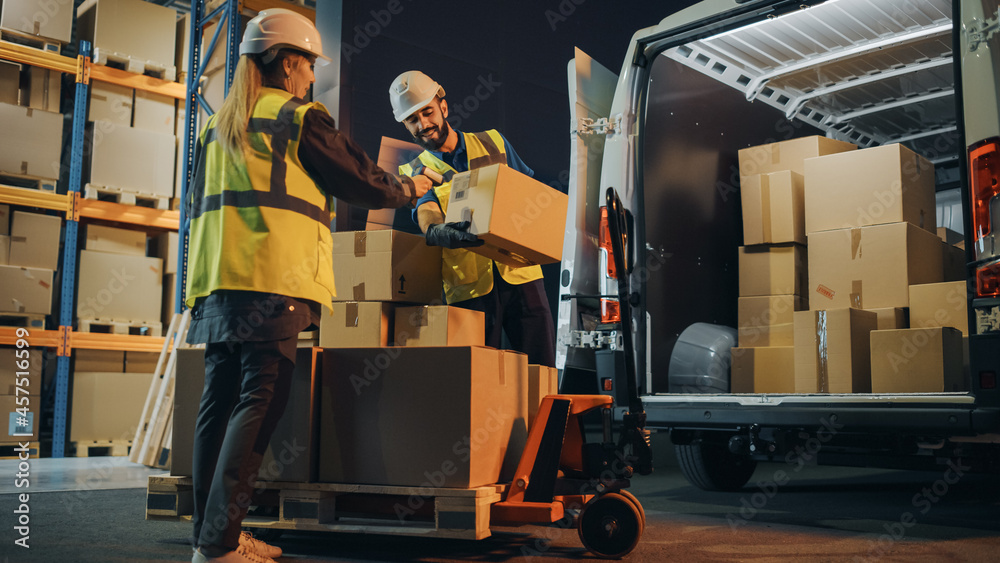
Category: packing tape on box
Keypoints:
(856, 300)
(360, 244)
(359, 292)
(765, 207)
(18, 304)
(503, 367)
(856, 243)
(420, 316)
(351, 316)
(822, 354)
(775, 153)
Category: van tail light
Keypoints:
(988, 280)
(984, 188)
(610, 311)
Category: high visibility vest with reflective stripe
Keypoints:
(262, 224)
(466, 274)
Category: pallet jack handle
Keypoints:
(634, 432)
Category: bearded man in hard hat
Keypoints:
(513, 299)
(267, 166)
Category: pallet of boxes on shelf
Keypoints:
(116, 280)
(108, 391)
(773, 264)
(131, 133)
(31, 145)
(42, 25)
(872, 230)
(20, 377)
(29, 257)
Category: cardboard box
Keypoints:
(542, 381)
(439, 325)
(142, 362)
(291, 455)
(165, 247)
(917, 360)
(154, 112)
(169, 298)
(108, 361)
(117, 287)
(353, 324)
(23, 366)
(25, 290)
(115, 241)
(521, 219)
(949, 236)
(111, 103)
(871, 267)
(887, 184)
(34, 240)
(4, 250)
(55, 21)
(953, 262)
(940, 304)
(44, 89)
(107, 405)
(472, 418)
(773, 208)
(787, 155)
(888, 318)
(32, 142)
(4, 219)
(773, 270)
(767, 320)
(15, 430)
(386, 266)
(132, 160)
(832, 351)
(130, 29)
(769, 369)
(10, 83)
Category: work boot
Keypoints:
(241, 555)
(258, 546)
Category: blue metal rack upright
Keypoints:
(229, 19)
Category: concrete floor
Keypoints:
(90, 509)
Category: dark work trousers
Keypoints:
(522, 311)
(246, 390)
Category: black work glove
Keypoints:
(452, 235)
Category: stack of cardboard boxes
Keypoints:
(20, 388)
(132, 132)
(109, 391)
(773, 263)
(29, 256)
(116, 282)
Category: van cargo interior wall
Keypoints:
(870, 72)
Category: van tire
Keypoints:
(712, 467)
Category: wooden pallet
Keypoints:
(128, 63)
(338, 507)
(153, 435)
(34, 321)
(125, 197)
(11, 450)
(27, 181)
(100, 448)
(33, 41)
(135, 328)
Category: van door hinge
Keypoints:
(602, 126)
(978, 32)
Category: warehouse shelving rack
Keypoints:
(64, 340)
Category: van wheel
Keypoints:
(712, 467)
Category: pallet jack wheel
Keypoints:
(635, 501)
(610, 525)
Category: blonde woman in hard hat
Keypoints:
(268, 164)
(512, 299)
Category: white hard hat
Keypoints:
(275, 28)
(411, 91)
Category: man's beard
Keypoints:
(434, 144)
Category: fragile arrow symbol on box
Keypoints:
(402, 280)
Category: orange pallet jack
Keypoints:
(559, 472)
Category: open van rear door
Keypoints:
(591, 89)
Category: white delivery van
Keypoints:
(666, 134)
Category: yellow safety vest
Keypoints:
(261, 224)
(466, 274)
